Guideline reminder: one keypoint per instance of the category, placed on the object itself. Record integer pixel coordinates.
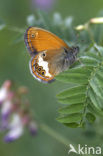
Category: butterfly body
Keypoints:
(50, 55)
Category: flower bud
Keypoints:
(97, 20)
(80, 27)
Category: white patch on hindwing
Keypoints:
(45, 66)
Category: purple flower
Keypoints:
(6, 108)
(5, 112)
(33, 128)
(14, 112)
(15, 129)
(43, 4)
(4, 91)
(3, 94)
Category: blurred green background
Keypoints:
(14, 65)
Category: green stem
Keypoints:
(51, 132)
(57, 136)
(15, 29)
(54, 134)
(91, 35)
(87, 28)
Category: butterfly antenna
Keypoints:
(78, 40)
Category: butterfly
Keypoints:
(50, 55)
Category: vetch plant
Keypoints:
(4, 91)
(15, 115)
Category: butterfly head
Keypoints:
(69, 56)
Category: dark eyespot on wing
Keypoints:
(39, 76)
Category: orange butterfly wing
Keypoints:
(38, 40)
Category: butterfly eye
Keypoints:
(44, 55)
(66, 51)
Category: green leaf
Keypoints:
(72, 91)
(71, 109)
(94, 83)
(99, 49)
(78, 98)
(81, 70)
(90, 117)
(94, 56)
(88, 61)
(94, 110)
(75, 78)
(72, 125)
(97, 102)
(100, 74)
(76, 117)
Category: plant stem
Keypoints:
(54, 134)
(15, 29)
(87, 28)
(90, 34)
(51, 132)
